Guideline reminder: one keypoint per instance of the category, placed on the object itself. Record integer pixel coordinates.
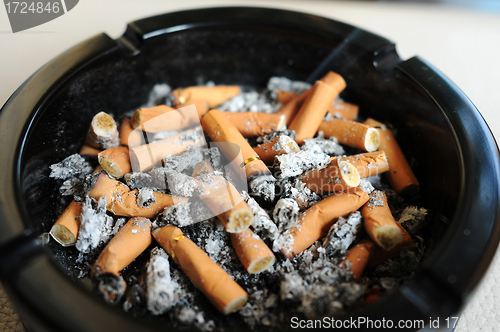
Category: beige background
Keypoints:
(463, 41)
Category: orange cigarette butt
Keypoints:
(214, 96)
(121, 201)
(252, 124)
(368, 164)
(277, 146)
(145, 157)
(358, 257)
(128, 136)
(367, 254)
(164, 118)
(379, 222)
(65, 229)
(115, 161)
(284, 97)
(253, 253)
(344, 110)
(400, 175)
(132, 239)
(103, 132)
(224, 293)
(290, 109)
(352, 133)
(220, 129)
(222, 198)
(315, 222)
(88, 151)
(312, 112)
(336, 176)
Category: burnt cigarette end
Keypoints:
(239, 220)
(261, 264)
(372, 140)
(387, 237)
(112, 287)
(62, 235)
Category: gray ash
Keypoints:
(273, 135)
(70, 167)
(293, 164)
(319, 144)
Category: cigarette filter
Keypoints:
(220, 129)
(213, 96)
(65, 229)
(352, 133)
(379, 222)
(284, 97)
(222, 198)
(115, 161)
(130, 241)
(315, 222)
(336, 176)
(128, 136)
(252, 124)
(88, 151)
(163, 118)
(253, 253)
(145, 157)
(290, 109)
(224, 293)
(121, 201)
(368, 164)
(312, 112)
(103, 132)
(343, 110)
(277, 146)
(400, 175)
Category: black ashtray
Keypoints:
(450, 146)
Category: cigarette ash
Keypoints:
(273, 135)
(293, 164)
(70, 167)
(262, 224)
(366, 185)
(177, 183)
(185, 161)
(284, 144)
(159, 95)
(286, 84)
(295, 189)
(341, 235)
(95, 226)
(286, 213)
(252, 101)
(177, 215)
(413, 219)
(263, 187)
(320, 144)
(145, 197)
(138, 180)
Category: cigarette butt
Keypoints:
(103, 132)
(224, 293)
(284, 97)
(164, 118)
(213, 96)
(65, 229)
(252, 124)
(220, 129)
(368, 164)
(379, 222)
(222, 198)
(115, 161)
(315, 222)
(122, 201)
(145, 157)
(312, 112)
(358, 257)
(351, 133)
(367, 254)
(89, 151)
(290, 109)
(400, 175)
(132, 239)
(277, 146)
(105, 186)
(344, 110)
(253, 253)
(128, 136)
(338, 175)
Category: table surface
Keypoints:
(461, 39)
